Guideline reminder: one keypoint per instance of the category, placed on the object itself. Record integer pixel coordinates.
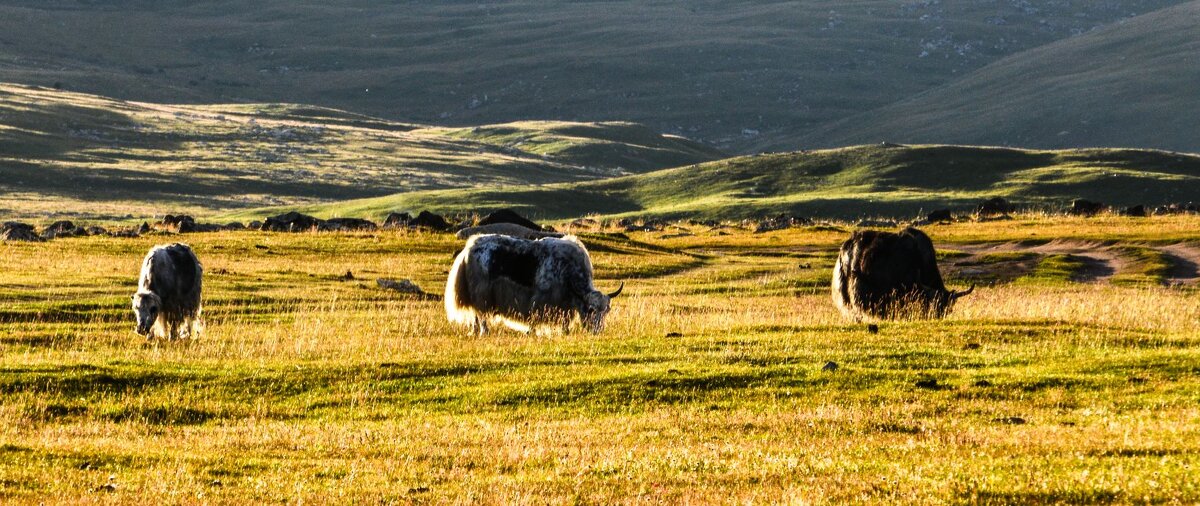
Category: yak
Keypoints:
(167, 302)
(525, 284)
(886, 275)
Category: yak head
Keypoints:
(595, 307)
(146, 307)
(940, 302)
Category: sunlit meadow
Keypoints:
(711, 384)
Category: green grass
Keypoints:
(706, 387)
(709, 70)
(1121, 85)
(847, 183)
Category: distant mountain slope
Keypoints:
(852, 182)
(731, 73)
(1136, 83)
(71, 153)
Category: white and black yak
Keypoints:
(525, 284)
(886, 275)
(167, 302)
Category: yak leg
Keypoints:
(479, 327)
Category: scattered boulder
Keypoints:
(1176, 208)
(397, 220)
(585, 223)
(235, 225)
(995, 206)
(876, 224)
(17, 231)
(144, 229)
(430, 221)
(1084, 207)
(940, 216)
(63, 228)
(177, 223)
(404, 286)
(349, 224)
(509, 229)
(97, 230)
(508, 216)
(254, 225)
(780, 222)
(1138, 211)
(829, 366)
(291, 222)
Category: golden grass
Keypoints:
(309, 388)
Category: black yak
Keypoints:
(885, 275)
(524, 284)
(167, 302)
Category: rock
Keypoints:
(349, 224)
(780, 222)
(397, 220)
(1176, 208)
(940, 216)
(428, 220)
(403, 286)
(1084, 207)
(1138, 211)
(972, 346)
(292, 222)
(674, 334)
(178, 224)
(995, 206)
(829, 366)
(254, 225)
(508, 216)
(872, 329)
(876, 224)
(17, 231)
(96, 230)
(62, 228)
(144, 229)
(509, 229)
(929, 384)
(1010, 420)
(982, 383)
(235, 225)
(585, 223)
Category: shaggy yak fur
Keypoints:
(524, 284)
(167, 303)
(885, 275)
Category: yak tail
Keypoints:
(457, 299)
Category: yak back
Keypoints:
(175, 277)
(544, 264)
(891, 261)
(519, 265)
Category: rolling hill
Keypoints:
(847, 183)
(73, 154)
(1130, 84)
(736, 74)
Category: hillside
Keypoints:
(855, 182)
(1130, 84)
(737, 74)
(64, 153)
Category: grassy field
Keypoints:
(737, 73)
(1056, 382)
(846, 183)
(1122, 85)
(73, 154)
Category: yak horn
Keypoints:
(963, 293)
(618, 292)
